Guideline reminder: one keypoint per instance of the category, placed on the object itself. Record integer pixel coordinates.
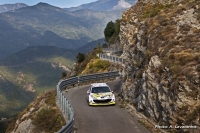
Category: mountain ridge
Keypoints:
(105, 5)
(11, 7)
(46, 25)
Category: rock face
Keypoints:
(35, 118)
(161, 73)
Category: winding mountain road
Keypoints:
(101, 119)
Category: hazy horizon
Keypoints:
(58, 3)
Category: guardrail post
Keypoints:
(77, 82)
(68, 110)
(57, 92)
(60, 99)
(67, 107)
(63, 102)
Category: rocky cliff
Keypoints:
(161, 74)
(41, 116)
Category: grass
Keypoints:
(96, 66)
(45, 116)
(48, 120)
(153, 10)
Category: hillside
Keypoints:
(10, 7)
(46, 25)
(90, 46)
(105, 5)
(26, 74)
(41, 115)
(161, 73)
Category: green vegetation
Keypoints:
(3, 126)
(91, 56)
(111, 32)
(48, 120)
(28, 73)
(44, 115)
(80, 57)
(48, 117)
(151, 10)
(96, 66)
(64, 75)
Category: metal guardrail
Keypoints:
(112, 50)
(114, 59)
(64, 104)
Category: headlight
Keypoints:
(113, 97)
(91, 98)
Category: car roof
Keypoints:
(98, 84)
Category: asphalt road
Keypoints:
(101, 119)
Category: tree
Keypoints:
(105, 45)
(99, 48)
(80, 57)
(64, 75)
(109, 30)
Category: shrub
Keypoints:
(50, 98)
(165, 51)
(96, 66)
(151, 10)
(64, 74)
(109, 30)
(43, 121)
(80, 57)
(175, 69)
(171, 57)
(185, 27)
(192, 115)
(198, 68)
(139, 74)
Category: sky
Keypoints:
(58, 3)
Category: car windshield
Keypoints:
(100, 89)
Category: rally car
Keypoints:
(100, 94)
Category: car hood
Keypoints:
(99, 95)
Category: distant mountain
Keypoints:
(26, 74)
(10, 7)
(90, 46)
(105, 5)
(46, 25)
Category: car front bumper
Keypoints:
(109, 103)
